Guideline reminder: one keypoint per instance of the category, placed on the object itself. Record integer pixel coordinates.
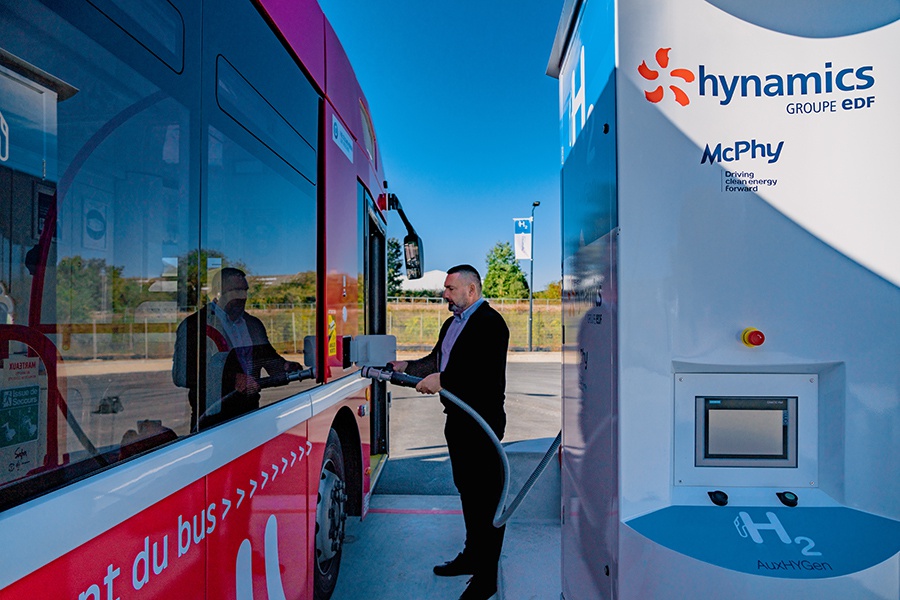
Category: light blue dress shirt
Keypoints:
(456, 327)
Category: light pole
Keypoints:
(534, 205)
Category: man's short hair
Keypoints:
(467, 271)
(217, 279)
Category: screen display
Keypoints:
(740, 427)
(746, 431)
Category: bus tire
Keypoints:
(331, 516)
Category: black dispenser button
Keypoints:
(718, 497)
(788, 498)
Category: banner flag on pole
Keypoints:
(523, 238)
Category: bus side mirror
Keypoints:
(412, 243)
(412, 249)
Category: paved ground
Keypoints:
(415, 519)
(419, 461)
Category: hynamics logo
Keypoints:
(831, 88)
(662, 60)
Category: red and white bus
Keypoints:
(145, 146)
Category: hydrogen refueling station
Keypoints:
(731, 263)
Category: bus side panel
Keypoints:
(342, 293)
(348, 160)
(243, 527)
(342, 87)
(159, 553)
(258, 503)
(302, 24)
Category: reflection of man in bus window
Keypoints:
(237, 351)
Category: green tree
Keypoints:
(127, 293)
(504, 278)
(553, 291)
(192, 275)
(394, 267)
(299, 289)
(88, 285)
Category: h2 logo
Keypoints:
(747, 527)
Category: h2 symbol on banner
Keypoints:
(746, 527)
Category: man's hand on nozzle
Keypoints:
(399, 365)
(291, 366)
(430, 385)
(246, 384)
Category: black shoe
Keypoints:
(479, 588)
(458, 566)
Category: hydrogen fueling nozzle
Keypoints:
(276, 380)
(285, 378)
(387, 373)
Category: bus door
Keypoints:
(376, 315)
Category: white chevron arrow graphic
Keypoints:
(227, 504)
(241, 493)
(253, 491)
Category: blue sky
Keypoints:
(466, 118)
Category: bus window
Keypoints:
(95, 235)
(368, 132)
(259, 255)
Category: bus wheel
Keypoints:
(331, 516)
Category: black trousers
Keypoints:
(478, 475)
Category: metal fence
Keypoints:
(415, 322)
(128, 336)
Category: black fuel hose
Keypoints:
(501, 516)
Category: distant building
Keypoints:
(430, 281)
(270, 280)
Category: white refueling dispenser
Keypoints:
(731, 377)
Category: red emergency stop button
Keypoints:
(753, 337)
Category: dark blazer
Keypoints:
(476, 369)
(187, 364)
